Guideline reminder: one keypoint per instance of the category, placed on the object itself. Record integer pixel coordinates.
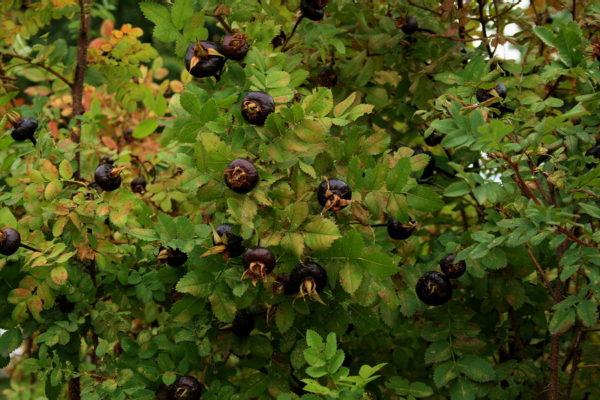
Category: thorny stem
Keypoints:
(287, 39)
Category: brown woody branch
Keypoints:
(40, 65)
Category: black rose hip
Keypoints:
(451, 269)
(434, 288)
(107, 177)
(484, 95)
(203, 59)
(226, 243)
(327, 77)
(24, 129)
(10, 241)
(399, 231)
(411, 25)
(185, 388)
(138, 185)
(243, 323)
(308, 279)
(258, 262)
(241, 176)
(334, 194)
(173, 257)
(234, 46)
(313, 9)
(256, 107)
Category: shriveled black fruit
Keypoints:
(241, 176)
(128, 135)
(309, 278)
(327, 77)
(24, 129)
(256, 107)
(399, 231)
(64, 305)
(185, 388)
(234, 46)
(430, 167)
(233, 243)
(173, 257)
(258, 262)
(278, 40)
(434, 288)
(334, 194)
(203, 59)
(10, 241)
(411, 25)
(283, 285)
(138, 185)
(243, 323)
(313, 9)
(484, 95)
(451, 269)
(108, 177)
(434, 139)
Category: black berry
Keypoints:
(258, 262)
(173, 257)
(233, 243)
(594, 152)
(202, 59)
(411, 25)
(434, 288)
(399, 231)
(256, 107)
(241, 176)
(243, 323)
(185, 388)
(235, 46)
(451, 269)
(138, 185)
(309, 279)
(24, 129)
(10, 241)
(334, 194)
(107, 177)
(327, 77)
(434, 139)
(484, 95)
(64, 305)
(313, 9)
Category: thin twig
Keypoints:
(540, 270)
(224, 23)
(482, 20)
(46, 68)
(288, 38)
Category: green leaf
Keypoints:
(222, 303)
(148, 235)
(277, 79)
(65, 169)
(181, 11)
(562, 320)
(415, 389)
(424, 199)
(438, 351)
(462, 390)
(587, 313)
(341, 108)
(194, 283)
(378, 264)
(350, 277)
(476, 368)
(457, 189)
(318, 103)
(330, 345)
(284, 317)
(320, 233)
(444, 373)
(7, 219)
(145, 128)
(9, 341)
(313, 339)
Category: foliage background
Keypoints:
(514, 195)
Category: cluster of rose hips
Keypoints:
(434, 288)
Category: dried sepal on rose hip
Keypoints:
(241, 176)
(234, 46)
(185, 388)
(434, 288)
(171, 256)
(308, 279)
(226, 243)
(451, 269)
(399, 231)
(108, 177)
(334, 194)
(258, 262)
(256, 107)
(203, 59)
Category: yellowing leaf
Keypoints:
(320, 234)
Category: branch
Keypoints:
(541, 272)
(483, 20)
(575, 239)
(520, 180)
(287, 39)
(36, 64)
